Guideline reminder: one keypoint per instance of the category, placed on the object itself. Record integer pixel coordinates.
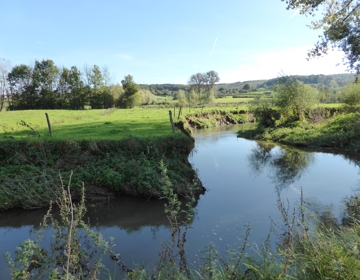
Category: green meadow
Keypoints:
(109, 124)
(231, 99)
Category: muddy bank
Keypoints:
(213, 118)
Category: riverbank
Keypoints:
(30, 170)
(212, 118)
(340, 131)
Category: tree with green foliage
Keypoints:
(264, 110)
(203, 85)
(44, 80)
(294, 98)
(340, 25)
(23, 95)
(132, 96)
(147, 97)
(351, 94)
(77, 96)
(247, 87)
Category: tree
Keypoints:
(4, 91)
(77, 97)
(181, 98)
(247, 87)
(351, 94)
(45, 79)
(264, 111)
(203, 84)
(211, 78)
(196, 82)
(340, 24)
(23, 95)
(132, 96)
(294, 98)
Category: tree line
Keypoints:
(47, 86)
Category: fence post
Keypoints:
(48, 122)
(179, 112)
(171, 121)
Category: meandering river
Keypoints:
(242, 179)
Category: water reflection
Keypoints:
(127, 213)
(286, 164)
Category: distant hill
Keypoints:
(332, 81)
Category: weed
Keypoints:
(75, 252)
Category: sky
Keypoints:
(164, 41)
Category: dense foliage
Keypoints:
(351, 94)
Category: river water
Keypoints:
(242, 178)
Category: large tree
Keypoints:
(351, 94)
(294, 98)
(340, 25)
(45, 81)
(23, 95)
(131, 96)
(203, 84)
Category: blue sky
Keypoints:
(164, 41)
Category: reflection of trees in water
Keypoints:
(286, 164)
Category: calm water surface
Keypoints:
(242, 178)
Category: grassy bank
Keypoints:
(339, 131)
(110, 151)
(29, 174)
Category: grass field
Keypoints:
(230, 99)
(109, 124)
(168, 99)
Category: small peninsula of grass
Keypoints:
(109, 151)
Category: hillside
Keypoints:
(332, 81)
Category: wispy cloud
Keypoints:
(214, 45)
(124, 56)
(294, 14)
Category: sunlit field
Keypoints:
(109, 124)
(112, 124)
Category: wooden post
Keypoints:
(179, 112)
(48, 122)
(171, 121)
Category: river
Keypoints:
(242, 179)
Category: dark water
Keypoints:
(242, 178)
